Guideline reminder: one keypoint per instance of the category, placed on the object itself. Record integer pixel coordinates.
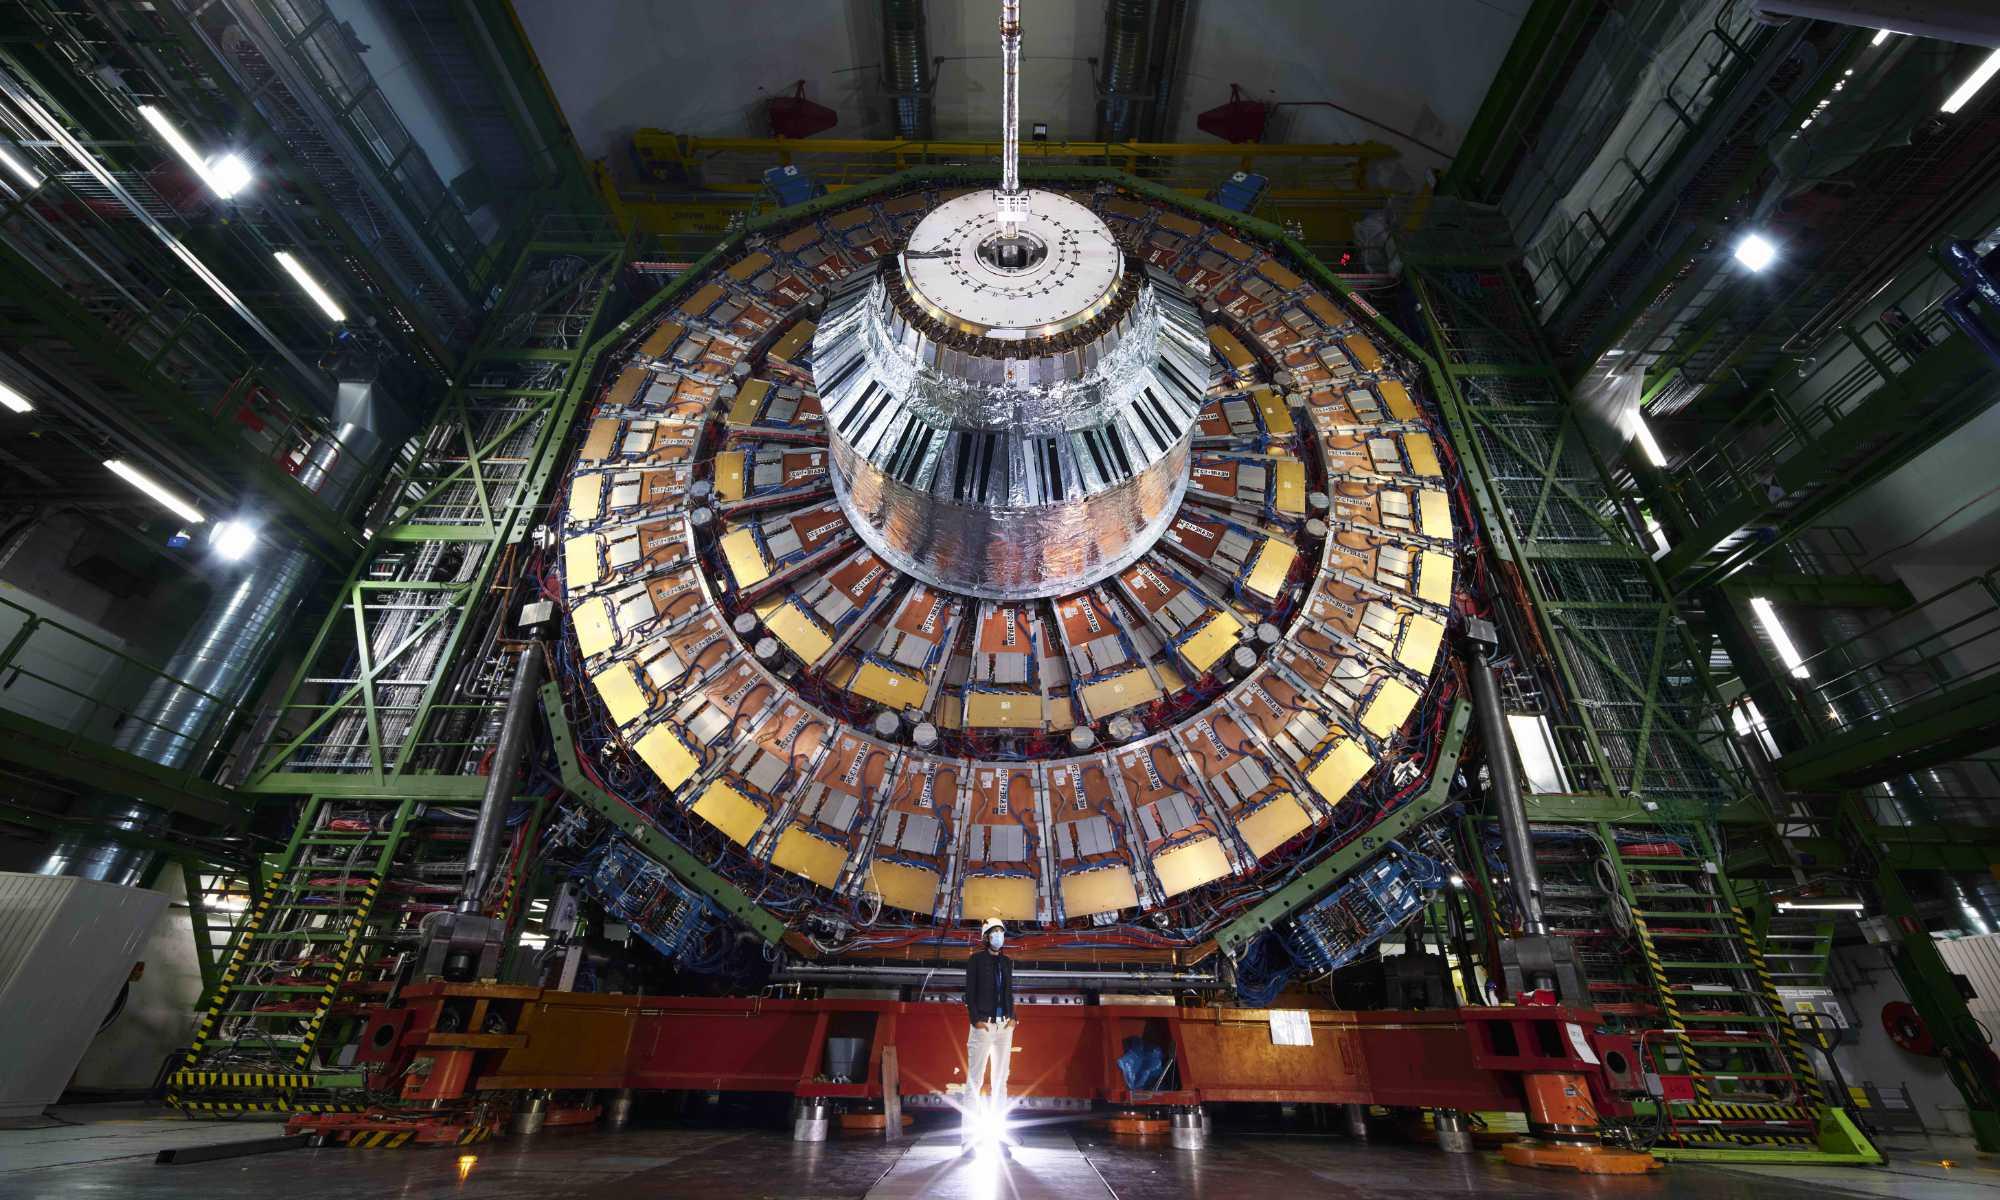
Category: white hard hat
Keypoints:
(992, 923)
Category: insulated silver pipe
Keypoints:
(1976, 22)
(479, 859)
(1010, 111)
(906, 67)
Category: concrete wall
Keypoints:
(619, 65)
(1865, 981)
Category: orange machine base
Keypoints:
(870, 1122)
(1136, 1125)
(1589, 1160)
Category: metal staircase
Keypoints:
(1732, 1069)
(311, 940)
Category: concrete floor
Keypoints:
(107, 1151)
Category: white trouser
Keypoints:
(992, 1042)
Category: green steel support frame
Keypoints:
(365, 714)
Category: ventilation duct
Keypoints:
(906, 67)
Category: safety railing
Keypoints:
(1788, 420)
(1922, 653)
(678, 161)
(84, 687)
(1557, 259)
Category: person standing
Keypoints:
(989, 1002)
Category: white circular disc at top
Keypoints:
(1074, 281)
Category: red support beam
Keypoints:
(1452, 1058)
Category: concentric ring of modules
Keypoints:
(1237, 681)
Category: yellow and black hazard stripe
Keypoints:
(1656, 967)
(229, 1106)
(1745, 1112)
(379, 1139)
(252, 925)
(1795, 1046)
(326, 1108)
(1750, 1141)
(474, 1135)
(242, 1079)
(343, 959)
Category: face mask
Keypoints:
(995, 939)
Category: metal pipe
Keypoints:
(1122, 81)
(1009, 101)
(906, 67)
(1976, 22)
(1159, 122)
(1506, 775)
(480, 857)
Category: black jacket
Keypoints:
(989, 986)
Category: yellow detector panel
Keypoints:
(662, 340)
(817, 859)
(1434, 514)
(1003, 710)
(729, 475)
(580, 561)
(1003, 896)
(1423, 454)
(1397, 397)
(619, 689)
(662, 749)
(799, 634)
(1276, 822)
(746, 561)
(1418, 649)
(594, 631)
(1339, 769)
(1118, 693)
(1434, 578)
(1229, 348)
(749, 401)
(1277, 418)
(892, 689)
(1290, 493)
(736, 815)
(586, 499)
(630, 380)
(1190, 865)
(1105, 889)
(913, 889)
(1272, 568)
(597, 446)
(1211, 641)
(1391, 706)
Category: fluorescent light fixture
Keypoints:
(14, 401)
(225, 175)
(233, 540)
(1981, 75)
(1881, 35)
(320, 295)
(1756, 252)
(147, 484)
(19, 166)
(1781, 640)
(1458, 881)
(1826, 904)
(1644, 436)
(232, 173)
